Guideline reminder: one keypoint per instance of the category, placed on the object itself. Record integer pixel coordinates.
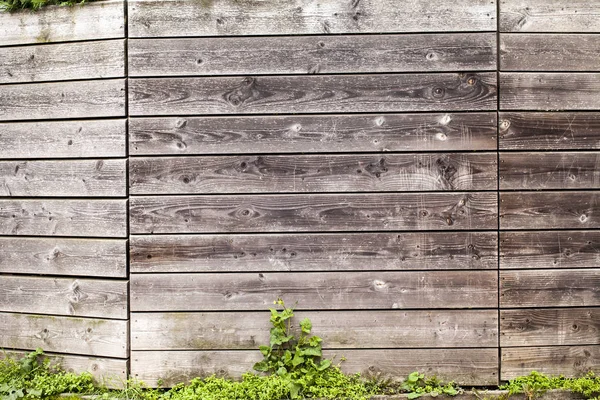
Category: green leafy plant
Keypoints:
(536, 384)
(14, 5)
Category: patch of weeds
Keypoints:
(536, 384)
(15, 5)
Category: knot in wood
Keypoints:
(438, 92)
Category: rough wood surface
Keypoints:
(74, 178)
(313, 93)
(106, 218)
(312, 54)
(314, 290)
(64, 296)
(308, 212)
(96, 337)
(550, 327)
(550, 288)
(313, 252)
(58, 62)
(318, 173)
(67, 139)
(549, 16)
(332, 133)
(77, 257)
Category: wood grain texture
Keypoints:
(154, 18)
(96, 337)
(105, 218)
(550, 327)
(318, 173)
(549, 210)
(313, 93)
(313, 290)
(58, 62)
(312, 54)
(338, 329)
(74, 178)
(557, 170)
(64, 296)
(549, 16)
(301, 213)
(313, 252)
(332, 133)
(67, 139)
(548, 91)
(549, 52)
(549, 288)
(77, 257)
(102, 20)
(464, 366)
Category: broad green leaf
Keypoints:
(324, 365)
(306, 325)
(413, 395)
(265, 350)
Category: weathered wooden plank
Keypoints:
(550, 327)
(75, 178)
(549, 52)
(58, 62)
(549, 288)
(316, 173)
(313, 93)
(312, 54)
(64, 296)
(313, 252)
(67, 139)
(84, 99)
(106, 218)
(314, 290)
(78, 257)
(338, 329)
(553, 360)
(301, 213)
(549, 210)
(96, 337)
(464, 366)
(102, 20)
(560, 170)
(549, 91)
(543, 250)
(332, 133)
(549, 16)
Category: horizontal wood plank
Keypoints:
(64, 296)
(301, 213)
(83, 99)
(310, 290)
(67, 139)
(549, 288)
(549, 16)
(74, 178)
(59, 256)
(332, 133)
(105, 218)
(312, 94)
(318, 173)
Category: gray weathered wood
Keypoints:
(550, 327)
(64, 296)
(50, 256)
(550, 288)
(75, 178)
(313, 252)
(312, 54)
(549, 210)
(308, 212)
(549, 91)
(334, 133)
(96, 337)
(106, 218)
(313, 93)
(67, 139)
(152, 18)
(549, 16)
(85, 99)
(318, 173)
(314, 290)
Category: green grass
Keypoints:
(16, 5)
